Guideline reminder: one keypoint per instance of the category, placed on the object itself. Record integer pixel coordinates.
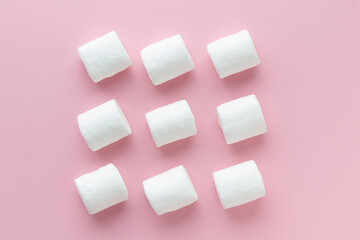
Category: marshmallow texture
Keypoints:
(233, 54)
(239, 184)
(103, 125)
(170, 191)
(241, 119)
(171, 123)
(104, 57)
(101, 189)
(166, 59)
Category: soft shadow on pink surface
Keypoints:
(177, 147)
(109, 214)
(116, 148)
(175, 84)
(117, 80)
(183, 214)
(247, 211)
(248, 145)
(241, 78)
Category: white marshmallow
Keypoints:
(233, 54)
(166, 59)
(241, 119)
(104, 57)
(103, 125)
(170, 191)
(239, 184)
(171, 123)
(101, 189)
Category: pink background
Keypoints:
(308, 85)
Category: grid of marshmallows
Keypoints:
(165, 60)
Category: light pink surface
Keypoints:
(308, 85)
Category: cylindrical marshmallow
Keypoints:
(170, 191)
(241, 119)
(104, 57)
(166, 59)
(103, 125)
(233, 54)
(171, 123)
(239, 184)
(101, 189)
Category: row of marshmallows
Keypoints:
(168, 58)
(170, 190)
(239, 119)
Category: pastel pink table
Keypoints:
(308, 85)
